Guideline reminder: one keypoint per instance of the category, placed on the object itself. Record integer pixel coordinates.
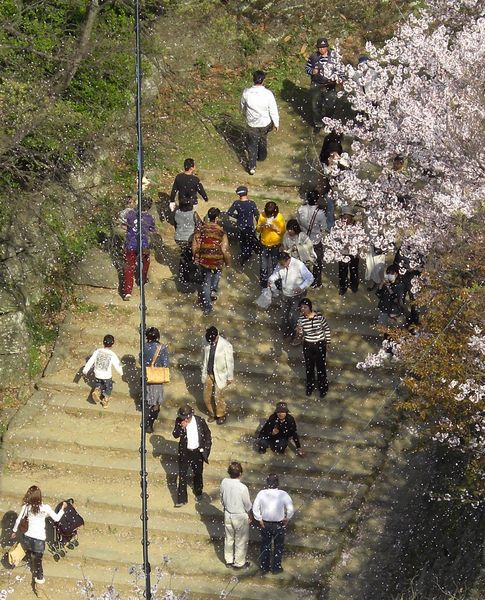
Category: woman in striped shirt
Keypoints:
(313, 328)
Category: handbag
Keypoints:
(157, 374)
(15, 555)
(24, 522)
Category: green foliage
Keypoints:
(42, 327)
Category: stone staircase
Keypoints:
(73, 448)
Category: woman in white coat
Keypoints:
(298, 244)
(217, 373)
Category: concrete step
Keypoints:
(343, 460)
(316, 518)
(247, 417)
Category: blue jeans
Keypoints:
(257, 144)
(105, 385)
(269, 260)
(209, 284)
(272, 532)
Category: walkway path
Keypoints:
(70, 447)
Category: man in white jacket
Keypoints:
(292, 277)
(217, 373)
(258, 105)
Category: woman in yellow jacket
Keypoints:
(271, 226)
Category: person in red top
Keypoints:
(210, 248)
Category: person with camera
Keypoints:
(195, 441)
(323, 68)
(277, 431)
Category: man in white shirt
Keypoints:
(259, 107)
(195, 443)
(273, 508)
(293, 278)
(237, 506)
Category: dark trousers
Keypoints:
(317, 267)
(278, 444)
(348, 274)
(34, 549)
(192, 458)
(151, 415)
(315, 358)
(323, 101)
(257, 144)
(272, 533)
(290, 313)
(268, 262)
(247, 243)
(105, 385)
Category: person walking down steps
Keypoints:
(187, 186)
(36, 513)
(195, 443)
(102, 360)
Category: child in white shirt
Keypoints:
(103, 359)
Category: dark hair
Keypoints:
(272, 481)
(188, 164)
(146, 203)
(33, 498)
(258, 77)
(235, 469)
(185, 411)
(211, 333)
(283, 256)
(312, 197)
(392, 269)
(271, 209)
(213, 213)
(108, 340)
(293, 225)
(306, 302)
(152, 334)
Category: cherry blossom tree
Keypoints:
(417, 175)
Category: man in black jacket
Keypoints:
(187, 185)
(278, 429)
(195, 443)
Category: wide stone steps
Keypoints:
(328, 515)
(250, 415)
(354, 463)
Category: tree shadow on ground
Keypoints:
(423, 548)
(234, 135)
(212, 520)
(298, 98)
(191, 372)
(131, 376)
(166, 451)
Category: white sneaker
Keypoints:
(127, 297)
(40, 580)
(252, 171)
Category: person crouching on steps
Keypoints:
(277, 431)
(34, 538)
(103, 359)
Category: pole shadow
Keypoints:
(131, 376)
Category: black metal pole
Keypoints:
(143, 468)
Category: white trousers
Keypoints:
(236, 538)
